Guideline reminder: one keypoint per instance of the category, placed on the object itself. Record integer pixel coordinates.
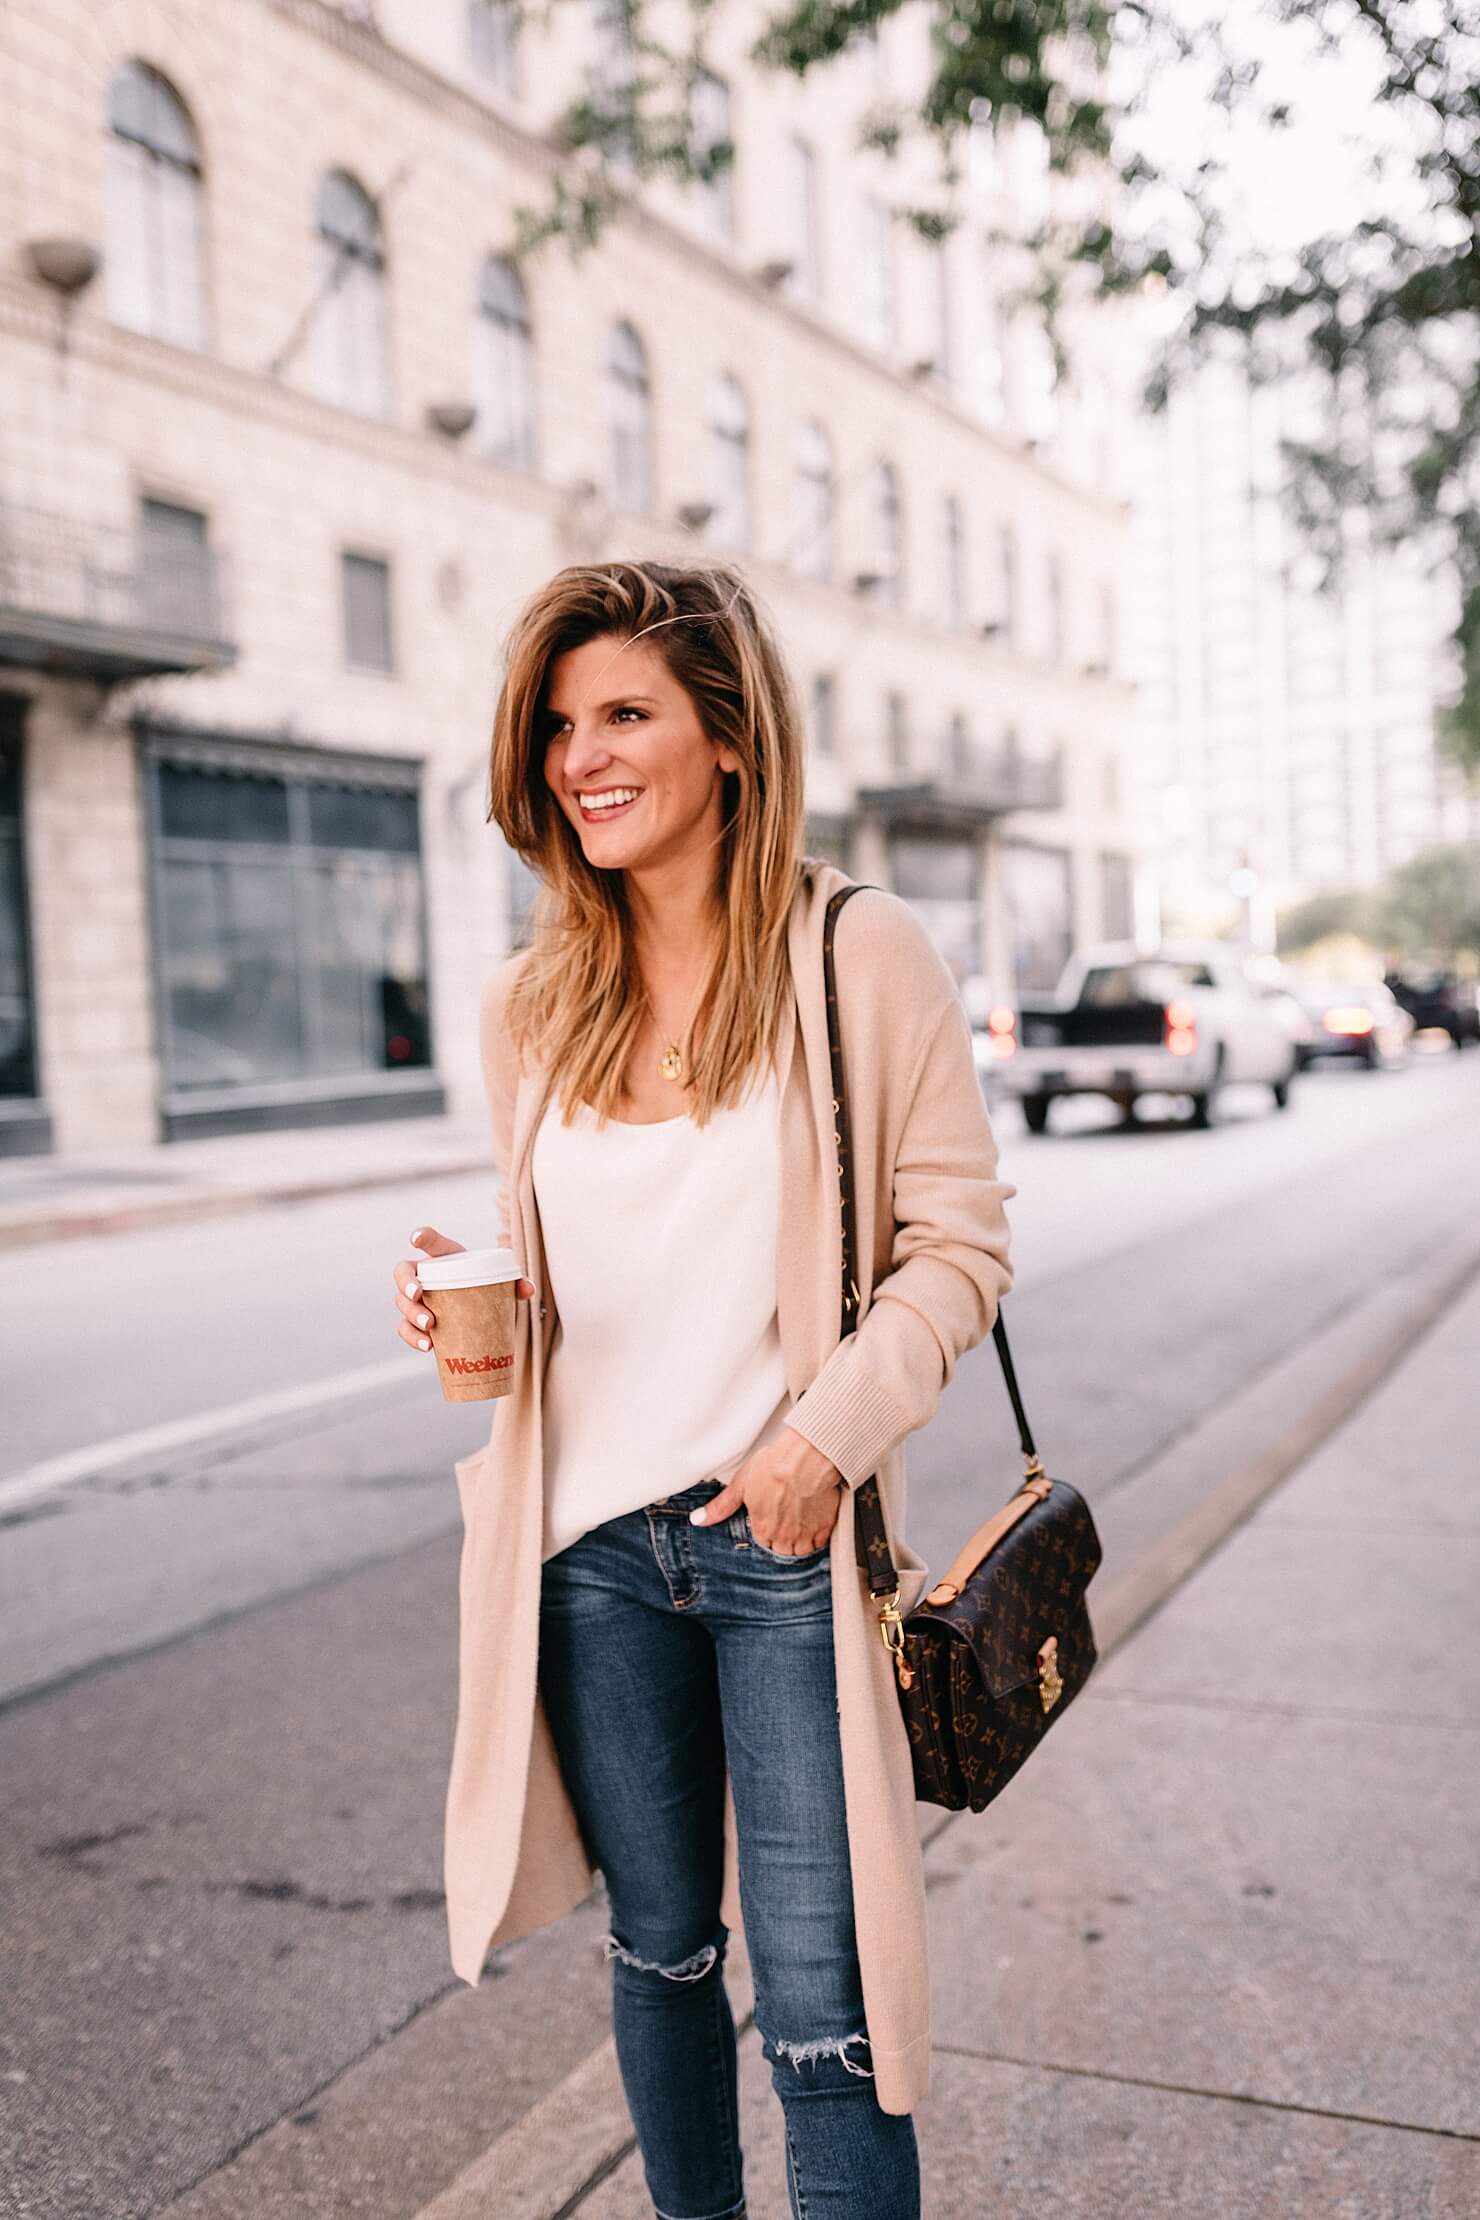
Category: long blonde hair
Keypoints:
(577, 1003)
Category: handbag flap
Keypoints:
(1022, 1587)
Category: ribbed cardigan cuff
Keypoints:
(849, 1417)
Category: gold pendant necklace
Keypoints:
(670, 1063)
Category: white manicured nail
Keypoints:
(425, 1344)
(697, 1518)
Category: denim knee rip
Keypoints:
(687, 1969)
(827, 2047)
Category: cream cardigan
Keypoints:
(932, 1245)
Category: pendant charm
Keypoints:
(670, 1063)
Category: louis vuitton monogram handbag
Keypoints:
(1000, 1646)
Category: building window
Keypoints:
(628, 401)
(1040, 909)
(880, 306)
(1053, 609)
(291, 944)
(366, 582)
(614, 79)
(1005, 613)
(1036, 394)
(351, 327)
(981, 146)
(953, 563)
(897, 731)
(1107, 629)
(804, 279)
(713, 147)
(991, 361)
(176, 573)
(943, 348)
(815, 502)
(522, 891)
(888, 573)
(824, 712)
(17, 1008)
(493, 41)
(504, 369)
(958, 745)
(155, 210)
(729, 464)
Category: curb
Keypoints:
(549, 2162)
(226, 1202)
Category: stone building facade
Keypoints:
(289, 436)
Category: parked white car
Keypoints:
(1187, 1019)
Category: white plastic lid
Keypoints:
(468, 1268)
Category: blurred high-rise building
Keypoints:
(1284, 731)
(290, 434)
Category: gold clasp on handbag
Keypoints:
(891, 1627)
(1050, 1686)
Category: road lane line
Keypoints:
(183, 1433)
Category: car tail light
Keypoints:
(1180, 1035)
(1002, 1026)
(1353, 1022)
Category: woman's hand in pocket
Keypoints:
(791, 1492)
(417, 1316)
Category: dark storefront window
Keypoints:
(17, 1016)
(1041, 910)
(939, 875)
(291, 937)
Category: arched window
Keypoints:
(155, 210)
(815, 501)
(351, 329)
(503, 365)
(729, 463)
(890, 565)
(630, 405)
(952, 563)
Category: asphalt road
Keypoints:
(226, 1669)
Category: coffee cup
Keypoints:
(473, 1304)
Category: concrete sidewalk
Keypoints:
(1216, 1952)
(47, 1198)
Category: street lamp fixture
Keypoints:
(66, 265)
(453, 419)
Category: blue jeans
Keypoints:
(666, 1648)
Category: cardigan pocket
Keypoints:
(466, 1470)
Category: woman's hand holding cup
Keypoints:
(417, 1316)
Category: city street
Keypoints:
(227, 1664)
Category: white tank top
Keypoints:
(660, 1244)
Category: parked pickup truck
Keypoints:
(1186, 1019)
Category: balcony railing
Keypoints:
(97, 601)
(974, 785)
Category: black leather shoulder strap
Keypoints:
(872, 1542)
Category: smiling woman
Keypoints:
(647, 767)
(668, 1654)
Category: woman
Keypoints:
(670, 1667)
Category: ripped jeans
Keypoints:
(664, 1648)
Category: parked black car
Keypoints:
(1439, 999)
